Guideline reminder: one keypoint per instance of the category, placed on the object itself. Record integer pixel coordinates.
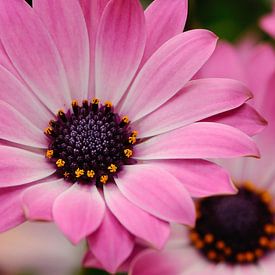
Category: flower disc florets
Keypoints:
(235, 229)
(90, 143)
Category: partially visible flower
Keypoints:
(233, 234)
(38, 248)
(125, 152)
(268, 23)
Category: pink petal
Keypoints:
(198, 140)
(151, 262)
(38, 199)
(64, 19)
(92, 11)
(225, 62)
(111, 244)
(163, 21)
(10, 208)
(16, 128)
(167, 71)
(260, 66)
(157, 192)
(199, 99)
(268, 23)
(137, 221)
(201, 178)
(78, 211)
(19, 166)
(36, 59)
(245, 118)
(28, 105)
(119, 48)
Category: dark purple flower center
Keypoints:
(235, 229)
(90, 143)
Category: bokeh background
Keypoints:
(39, 249)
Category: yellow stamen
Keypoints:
(132, 140)
(220, 245)
(79, 172)
(128, 153)
(199, 244)
(60, 113)
(125, 119)
(249, 256)
(60, 163)
(266, 197)
(264, 241)
(108, 104)
(227, 251)
(134, 133)
(49, 154)
(66, 174)
(240, 257)
(95, 100)
(90, 173)
(194, 236)
(211, 255)
(208, 238)
(104, 179)
(112, 168)
(74, 103)
(48, 131)
(259, 252)
(269, 228)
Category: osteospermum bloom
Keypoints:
(233, 234)
(268, 22)
(101, 129)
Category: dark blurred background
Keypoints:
(230, 20)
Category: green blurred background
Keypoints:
(230, 20)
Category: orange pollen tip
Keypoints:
(259, 252)
(104, 179)
(220, 245)
(208, 238)
(48, 131)
(60, 113)
(108, 104)
(90, 173)
(240, 257)
(269, 228)
(125, 119)
(128, 153)
(95, 101)
(132, 140)
(228, 251)
(264, 241)
(60, 163)
(74, 103)
(134, 133)
(193, 236)
(49, 154)
(199, 244)
(211, 255)
(249, 256)
(79, 172)
(66, 174)
(112, 168)
(266, 197)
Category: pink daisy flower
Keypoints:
(126, 131)
(267, 23)
(233, 234)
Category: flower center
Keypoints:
(90, 143)
(235, 229)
